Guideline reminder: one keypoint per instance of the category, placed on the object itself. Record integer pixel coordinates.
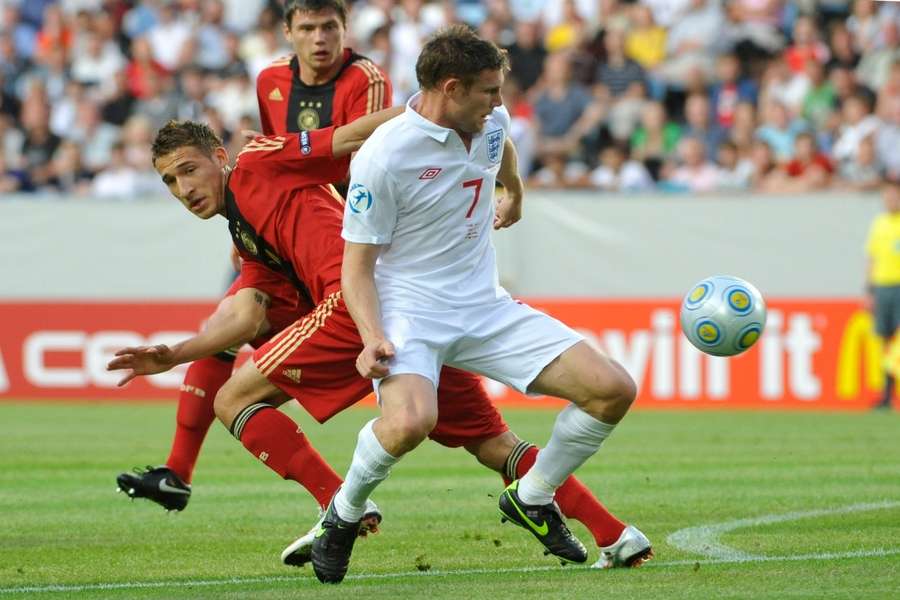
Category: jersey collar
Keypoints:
(430, 128)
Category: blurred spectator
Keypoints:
(618, 174)
(54, 34)
(779, 130)
(560, 104)
(39, 142)
(734, 172)
(22, 35)
(863, 25)
(695, 173)
(765, 174)
(11, 179)
(158, 103)
(191, 95)
(413, 22)
(779, 83)
(809, 170)
(656, 138)
(169, 37)
(69, 175)
(625, 113)
(119, 102)
(617, 72)
(730, 90)
(887, 140)
(755, 27)
(559, 172)
(806, 46)
(820, 100)
(864, 173)
(874, 69)
(699, 123)
(841, 45)
(209, 43)
(527, 54)
(521, 126)
(857, 123)
(692, 40)
(94, 137)
(142, 68)
(99, 61)
(646, 41)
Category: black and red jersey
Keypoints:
(284, 216)
(286, 104)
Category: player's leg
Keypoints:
(408, 413)
(169, 484)
(886, 313)
(468, 418)
(247, 406)
(530, 351)
(601, 391)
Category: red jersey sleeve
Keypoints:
(370, 90)
(304, 158)
(256, 275)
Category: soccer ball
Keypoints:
(723, 315)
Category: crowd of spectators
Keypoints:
(669, 95)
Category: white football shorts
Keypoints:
(506, 340)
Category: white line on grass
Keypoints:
(188, 583)
(704, 539)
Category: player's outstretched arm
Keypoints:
(509, 204)
(348, 138)
(238, 320)
(361, 298)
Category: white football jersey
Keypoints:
(415, 189)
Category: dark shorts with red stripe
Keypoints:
(314, 361)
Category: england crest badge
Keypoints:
(494, 145)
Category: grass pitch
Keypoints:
(738, 505)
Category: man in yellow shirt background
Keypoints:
(883, 283)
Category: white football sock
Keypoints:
(576, 437)
(371, 465)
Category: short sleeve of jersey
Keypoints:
(256, 275)
(304, 157)
(503, 118)
(370, 212)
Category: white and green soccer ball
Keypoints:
(723, 315)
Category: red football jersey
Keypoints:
(286, 104)
(283, 214)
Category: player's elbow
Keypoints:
(248, 325)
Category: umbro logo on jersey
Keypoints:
(292, 374)
(430, 173)
(276, 95)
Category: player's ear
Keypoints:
(287, 32)
(451, 86)
(220, 155)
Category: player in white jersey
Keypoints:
(420, 280)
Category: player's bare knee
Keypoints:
(408, 430)
(225, 405)
(609, 395)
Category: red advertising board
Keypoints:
(814, 354)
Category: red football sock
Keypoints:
(277, 441)
(577, 502)
(195, 412)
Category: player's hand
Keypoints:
(372, 362)
(142, 360)
(509, 209)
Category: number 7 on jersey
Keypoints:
(475, 183)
